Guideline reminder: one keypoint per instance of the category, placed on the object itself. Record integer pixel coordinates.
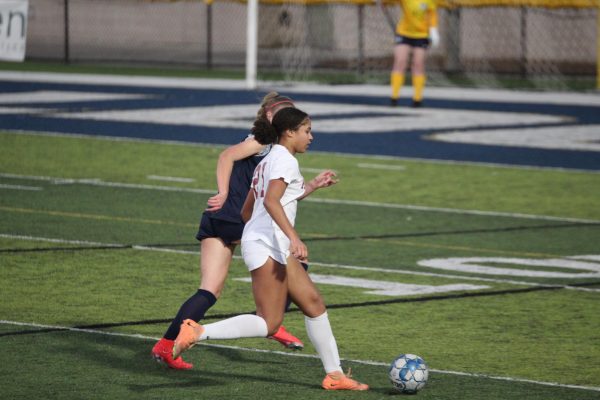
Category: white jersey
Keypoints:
(278, 164)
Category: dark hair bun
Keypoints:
(263, 132)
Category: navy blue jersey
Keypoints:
(239, 185)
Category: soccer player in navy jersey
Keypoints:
(221, 229)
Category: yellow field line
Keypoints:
(95, 216)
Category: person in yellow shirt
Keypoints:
(415, 33)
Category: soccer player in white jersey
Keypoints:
(221, 230)
(269, 238)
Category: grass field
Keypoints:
(97, 255)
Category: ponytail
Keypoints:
(264, 132)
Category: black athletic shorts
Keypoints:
(412, 42)
(228, 232)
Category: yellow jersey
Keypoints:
(417, 17)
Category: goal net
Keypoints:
(509, 43)
(538, 43)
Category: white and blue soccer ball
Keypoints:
(408, 373)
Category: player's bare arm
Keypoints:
(248, 207)
(273, 206)
(227, 157)
(324, 179)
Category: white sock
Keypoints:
(320, 334)
(241, 326)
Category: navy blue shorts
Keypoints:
(412, 42)
(228, 232)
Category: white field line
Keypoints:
(20, 187)
(435, 275)
(328, 153)
(314, 170)
(449, 210)
(51, 97)
(253, 350)
(126, 139)
(393, 271)
(98, 182)
(318, 264)
(170, 179)
(382, 166)
(61, 241)
(118, 80)
(174, 251)
(456, 162)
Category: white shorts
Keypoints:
(257, 252)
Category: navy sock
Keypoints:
(194, 308)
(289, 300)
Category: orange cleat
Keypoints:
(287, 339)
(340, 381)
(189, 334)
(163, 353)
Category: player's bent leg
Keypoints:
(289, 299)
(282, 335)
(310, 301)
(321, 336)
(214, 266)
(240, 326)
(269, 285)
(269, 288)
(303, 291)
(193, 308)
(215, 258)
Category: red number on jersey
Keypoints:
(259, 180)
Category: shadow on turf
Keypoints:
(126, 363)
(237, 356)
(132, 358)
(78, 358)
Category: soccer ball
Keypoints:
(408, 373)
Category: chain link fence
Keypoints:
(495, 45)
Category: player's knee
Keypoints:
(315, 305)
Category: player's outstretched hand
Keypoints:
(216, 202)
(325, 179)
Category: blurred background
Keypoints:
(534, 44)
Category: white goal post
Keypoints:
(252, 44)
